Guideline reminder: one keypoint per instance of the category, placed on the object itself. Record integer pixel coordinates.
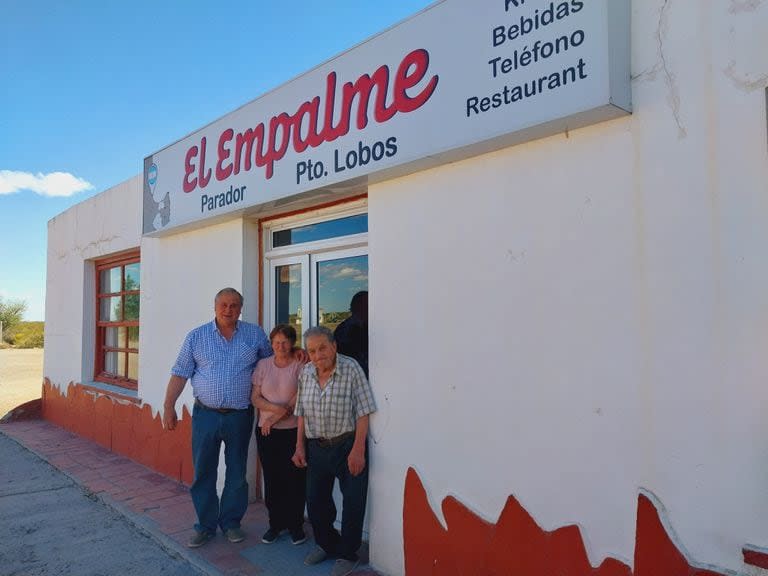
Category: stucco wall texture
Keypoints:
(578, 322)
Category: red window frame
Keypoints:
(102, 349)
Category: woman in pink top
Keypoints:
(275, 383)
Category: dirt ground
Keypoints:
(21, 377)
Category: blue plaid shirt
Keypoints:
(221, 369)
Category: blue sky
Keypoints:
(88, 88)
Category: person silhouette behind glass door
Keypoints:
(352, 335)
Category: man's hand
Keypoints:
(169, 418)
(299, 458)
(172, 393)
(356, 462)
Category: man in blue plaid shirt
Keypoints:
(219, 358)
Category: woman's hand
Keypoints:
(267, 423)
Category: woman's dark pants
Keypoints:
(284, 483)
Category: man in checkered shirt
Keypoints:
(333, 406)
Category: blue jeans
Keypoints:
(324, 466)
(209, 430)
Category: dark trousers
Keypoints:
(209, 430)
(324, 466)
(285, 485)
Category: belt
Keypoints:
(329, 442)
(219, 410)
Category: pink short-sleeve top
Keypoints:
(278, 385)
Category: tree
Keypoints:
(11, 312)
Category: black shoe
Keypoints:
(270, 536)
(298, 536)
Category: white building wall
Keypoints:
(579, 317)
(567, 321)
(103, 225)
(181, 275)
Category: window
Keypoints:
(313, 267)
(117, 320)
(356, 224)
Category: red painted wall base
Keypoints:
(123, 427)
(515, 544)
(755, 557)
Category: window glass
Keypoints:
(114, 337)
(288, 283)
(321, 231)
(133, 366)
(117, 324)
(131, 311)
(132, 273)
(121, 367)
(337, 281)
(110, 337)
(111, 309)
(133, 337)
(114, 363)
(110, 280)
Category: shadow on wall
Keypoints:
(123, 427)
(517, 545)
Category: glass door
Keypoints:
(289, 286)
(316, 289)
(336, 277)
(313, 267)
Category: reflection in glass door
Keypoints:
(290, 303)
(338, 276)
(313, 268)
(316, 289)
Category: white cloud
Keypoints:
(52, 184)
(346, 272)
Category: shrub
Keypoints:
(26, 335)
(11, 313)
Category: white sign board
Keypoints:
(460, 78)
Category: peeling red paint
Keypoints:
(124, 427)
(515, 544)
(755, 557)
(655, 552)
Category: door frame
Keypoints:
(306, 253)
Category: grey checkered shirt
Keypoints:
(334, 410)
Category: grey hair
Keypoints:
(231, 291)
(319, 331)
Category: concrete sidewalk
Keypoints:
(50, 526)
(160, 507)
